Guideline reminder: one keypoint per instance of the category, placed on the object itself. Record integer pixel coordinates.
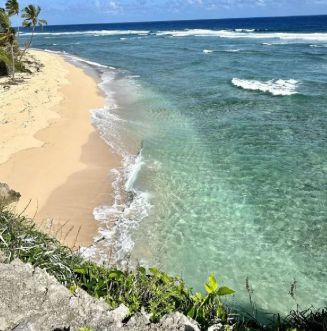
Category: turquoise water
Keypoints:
(223, 134)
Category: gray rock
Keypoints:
(137, 322)
(172, 322)
(3, 257)
(32, 300)
(8, 196)
(179, 322)
(216, 327)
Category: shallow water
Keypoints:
(231, 126)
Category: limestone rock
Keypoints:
(172, 322)
(178, 322)
(32, 300)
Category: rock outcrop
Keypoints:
(8, 196)
(32, 300)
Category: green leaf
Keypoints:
(80, 271)
(221, 313)
(116, 274)
(212, 284)
(191, 312)
(225, 291)
(154, 271)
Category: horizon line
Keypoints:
(188, 20)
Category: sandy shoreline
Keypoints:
(50, 152)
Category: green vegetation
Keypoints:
(11, 55)
(152, 290)
(31, 20)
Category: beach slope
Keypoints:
(51, 153)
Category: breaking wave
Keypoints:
(246, 33)
(277, 87)
(232, 34)
(113, 242)
(94, 33)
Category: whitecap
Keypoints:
(233, 50)
(318, 46)
(244, 30)
(302, 37)
(94, 33)
(207, 51)
(278, 87)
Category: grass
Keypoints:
(155, 291)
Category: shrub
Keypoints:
(152, 289)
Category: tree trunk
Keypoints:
(13, 61)
(28, 45)
(18, 35)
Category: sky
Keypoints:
(114, 11)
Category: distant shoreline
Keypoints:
(51, 153)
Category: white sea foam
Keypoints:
(114, 240)
(91, 63)
(55, 52)
(246, 34)
(97, 33)
(79, 60)
(318, 46)
(119, 220)
(133, 172)
(207, 51)
(237, 33)
(233, 50)
(277, 87)
(244, 30)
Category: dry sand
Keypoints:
(50, 152)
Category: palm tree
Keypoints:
(31, 20)
(8, 37)
(12, 9)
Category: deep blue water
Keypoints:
(274, 24)
(231, 120)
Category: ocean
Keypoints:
(222, 128)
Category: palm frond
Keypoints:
(4, 22)
(43, 22)
(12, 7)
(31, 16)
